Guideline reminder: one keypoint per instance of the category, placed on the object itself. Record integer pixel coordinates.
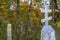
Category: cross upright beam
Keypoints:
(45, 10)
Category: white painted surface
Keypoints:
(9, 32)
(47, 33)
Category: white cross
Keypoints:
(47, 32)
(45, 10)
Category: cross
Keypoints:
(47, 32)
(45, 10)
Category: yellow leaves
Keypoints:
(22, 10)
(29, 29)
(36, 0)
(0, 13)
(4, 2)
(24, 4)
(33, 0)
(34, 18)
(14, 14)
(23, 7)
(56, 10)
(32, 14)
(58, 24)
(2, 6)
(5, 13)
(36, 8)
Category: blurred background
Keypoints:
(25, 18)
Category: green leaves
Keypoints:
(58, 24)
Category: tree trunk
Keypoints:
(54, 6)
(17, 21)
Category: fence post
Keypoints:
(9, 32)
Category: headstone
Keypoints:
(9, 34)
(47, 32)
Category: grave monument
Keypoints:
(47, 32)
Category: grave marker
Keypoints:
(9, 34)
(47, 32)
